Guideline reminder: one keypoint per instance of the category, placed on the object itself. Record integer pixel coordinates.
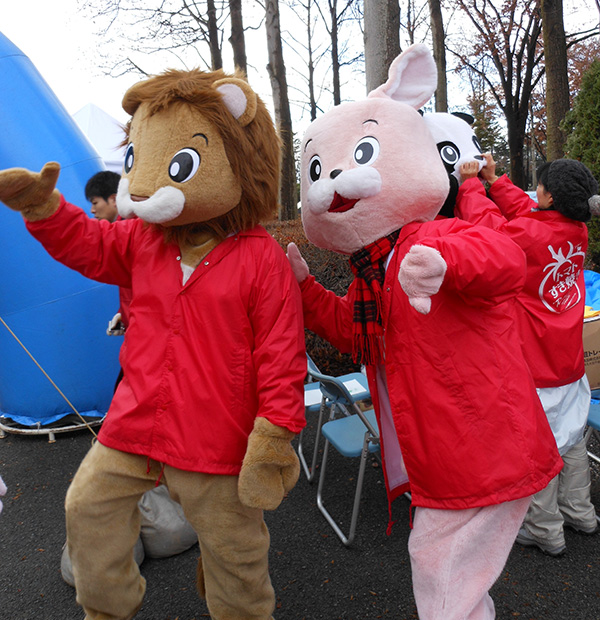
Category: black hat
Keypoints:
(573, 188)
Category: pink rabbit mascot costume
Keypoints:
(429, 314)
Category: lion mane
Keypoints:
(253, 150)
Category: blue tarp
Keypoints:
(592, 289)
(59, 315)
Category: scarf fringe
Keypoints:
(367, 349)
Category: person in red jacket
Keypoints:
(549, 313)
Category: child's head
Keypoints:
(101, 191)
(568, 186)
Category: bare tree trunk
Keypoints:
(335, 60)
(439, 55)
(213, 36)
(382, 39)
(311, 64)
(283, 118)
(237, 40)
(516, 124)
(557, 80)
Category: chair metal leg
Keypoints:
(311, 471)
(346, 540)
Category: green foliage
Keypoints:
(582, 123)
(333, 272)
(582, 126)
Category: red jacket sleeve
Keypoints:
(97, 249)
(511, 200)
(485, 267)
(473, 205)
(328, 315)
(279, 350)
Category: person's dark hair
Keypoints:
(103, 185)
(573, 188)
(542, 174)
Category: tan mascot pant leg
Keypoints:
(234, 542)
(103, 526)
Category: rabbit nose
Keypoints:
(335, 173)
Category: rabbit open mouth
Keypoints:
(339, 204)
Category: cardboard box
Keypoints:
(591, 350)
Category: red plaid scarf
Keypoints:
(368, 266)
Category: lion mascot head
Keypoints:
(202, 155)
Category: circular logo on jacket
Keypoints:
(559, 290)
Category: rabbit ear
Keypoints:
(412, 77)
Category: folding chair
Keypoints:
(355, 435)
(316, 401)
(593, 421)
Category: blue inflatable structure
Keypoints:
(58, 315)
(592, 289)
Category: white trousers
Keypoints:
(457, 555)
(567, 496)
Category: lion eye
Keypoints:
(184, 165)
(128, 165)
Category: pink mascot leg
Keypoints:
(457, 555)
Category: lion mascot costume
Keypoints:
(213, 359)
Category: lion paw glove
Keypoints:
(33, 194)
(270, 468)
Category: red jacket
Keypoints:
(202, 360)
(551, 305)
(469, 422)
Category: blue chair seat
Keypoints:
(593, 423)
(312, 396)
(594, 414)
(355, 388)
(347, 434)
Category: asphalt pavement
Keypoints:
(314, 575)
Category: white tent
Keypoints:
(105, 133)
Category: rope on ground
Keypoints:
(48, 377)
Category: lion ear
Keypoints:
(239, 99)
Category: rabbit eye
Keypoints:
(366, 151)
(315, 168)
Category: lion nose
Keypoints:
(138, 198)
(335, 173)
